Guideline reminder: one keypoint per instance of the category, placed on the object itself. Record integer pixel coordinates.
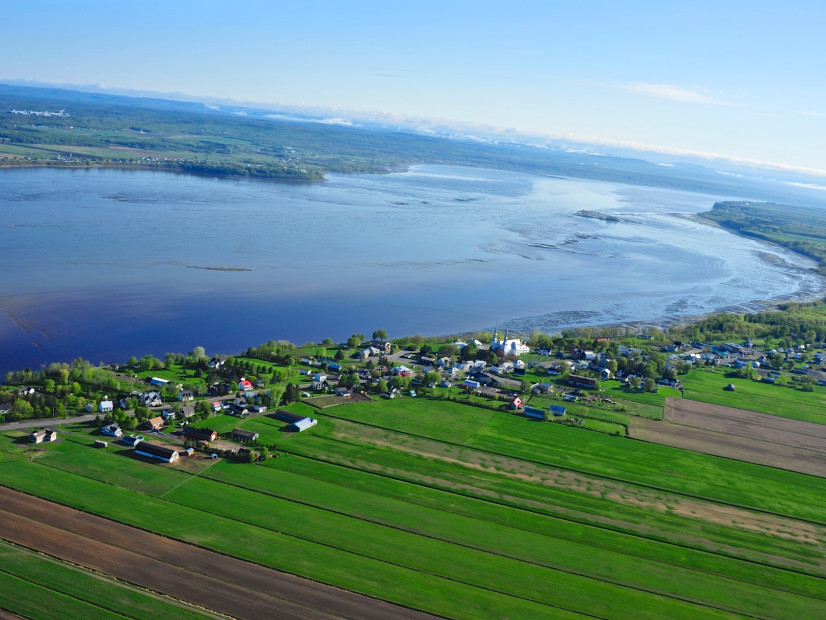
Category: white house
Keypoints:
(106, 405)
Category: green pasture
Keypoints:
(662, 467)
(586, 503)
(417, 551)
(435, 539)
(553, 543)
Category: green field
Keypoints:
(472, 513)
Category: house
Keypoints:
(369, 352)
(302, 425)
(106, 405)
(168, 415)
(557, 411)
(239, 434)
(200, 434)
(383, 345)
(604, 374)
(113, 430)
(154, 451)
(343, 391)
(583, 382)
(543, 388)
(320, 381)
(186, 395)
(42, 435)
(244, 384)
(187, 411)
(155, 424)
(516, 403)
(150, 399)
(402, 371)
(132, 440)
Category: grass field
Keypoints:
(472, 513)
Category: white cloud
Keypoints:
(671, 92)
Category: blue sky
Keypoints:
(738, 80)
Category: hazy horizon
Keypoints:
(736, 82)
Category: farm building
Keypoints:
(302, 425)
(154, 451)
(471, 384)
(99, 443)
(44, 434)
(158, 381)
(200, 434)
(239, 434)
(584, 382)
(132, 440)
(557, 410)
(288, 416)
(537, 414)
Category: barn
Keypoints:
(536, 414)
(154, 451)
(239, 434)
(302, 425)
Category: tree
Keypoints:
(198, 353)
(432, 377)
(447, 350)
(355, 340)
(379, 334)
(339, 355)
(381, 387)
(20, 410)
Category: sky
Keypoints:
(742, 81)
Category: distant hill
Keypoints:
(146, 132)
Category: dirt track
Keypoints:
(223, 584)
(738, 434)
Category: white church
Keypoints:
(507, 346)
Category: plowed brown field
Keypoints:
(739, 434)
(205, 578)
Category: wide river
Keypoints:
(105, 264)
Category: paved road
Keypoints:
(27, 424)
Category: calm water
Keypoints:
(106, 264)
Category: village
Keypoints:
(170, 420)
